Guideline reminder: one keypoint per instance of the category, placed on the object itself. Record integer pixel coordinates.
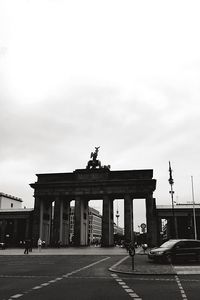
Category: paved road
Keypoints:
(86, 277)
(161, 287)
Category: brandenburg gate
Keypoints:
(54, 192)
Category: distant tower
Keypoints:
(174, 225)
(117, 215)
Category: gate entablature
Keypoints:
(95, 183)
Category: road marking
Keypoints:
(122, 283)
(133, 296)
(129, 290)
(37, 287)
(24, 276)
(159, 279)
(187, 267)
(180, 288)
(187, 270)
(125, 287)
(59, 278)
(88, 266)
(52, 281)
(119, 262)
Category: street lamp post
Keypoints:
(171, 182)
(194, 214)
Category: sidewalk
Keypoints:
(142, 266)
(67, 251)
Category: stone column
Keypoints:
(41, 218)
(15, 232)
(3, 230)
(48, 222)
(36, 221)
(57, 221)
(176, 227)
(81, 221)
(128, 218)
(66, 222)
(107, 222)
(27, 231)
(160, 232)
(152, 231)
(61, 221)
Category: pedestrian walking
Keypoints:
(27, 246)
(39, 244)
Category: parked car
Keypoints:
(176, 249)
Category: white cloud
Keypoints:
(76, 74)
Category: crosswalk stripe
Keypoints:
(187, 270)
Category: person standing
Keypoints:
(39, 244)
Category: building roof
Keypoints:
(16, 210)
(179, 206)
(10, 197)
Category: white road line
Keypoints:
(23, 276)
(88, 266)
(125, 287)
(114, 275)
(119, 262)
(180, 288)
(187, 267)
(129, 290)
(60, 278)
(134, 295)
(187, 270)
(191, 272)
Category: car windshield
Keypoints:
(168, 244)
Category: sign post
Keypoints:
(132, 254)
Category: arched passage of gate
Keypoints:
(83, 185)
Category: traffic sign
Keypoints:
(143, 225)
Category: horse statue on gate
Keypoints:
(94, 162)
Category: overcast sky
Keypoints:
(123, 75)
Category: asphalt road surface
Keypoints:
(86, 277)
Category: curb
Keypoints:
(139, 273)
(115, 270)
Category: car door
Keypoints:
(180, 250)
(193, 248)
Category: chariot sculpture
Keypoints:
(94, 163)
